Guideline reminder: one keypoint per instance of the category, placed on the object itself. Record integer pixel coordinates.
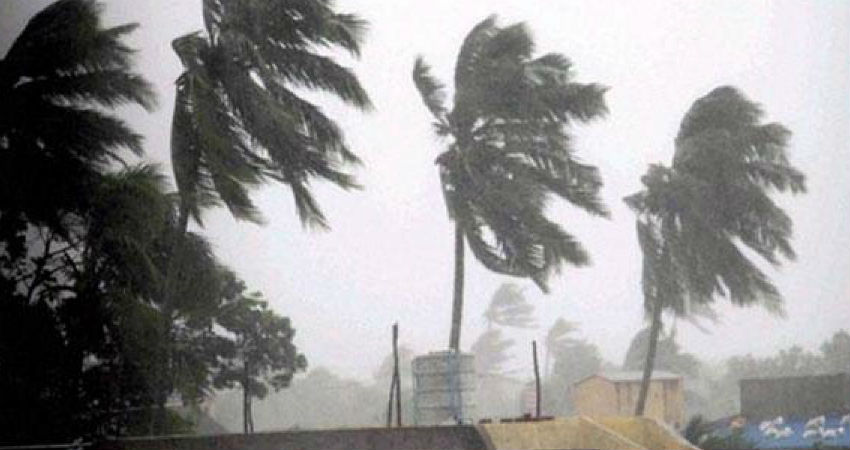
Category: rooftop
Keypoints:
(633, 376)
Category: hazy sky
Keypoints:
(389, 255)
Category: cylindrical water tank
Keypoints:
(443, 388)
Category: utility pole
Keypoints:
(536, 380)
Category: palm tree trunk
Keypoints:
(457, 303)
(654, 332)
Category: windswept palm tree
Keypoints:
(694, 218)
(238, 118)
(557, 339)
(59, 81)
(508, 152)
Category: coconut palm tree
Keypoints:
(508, 152)
(59, 81)
(238, 120)
(695, 217)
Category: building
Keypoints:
(802, 412)
(616, 394)
(805, 396)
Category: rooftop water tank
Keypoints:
(443, 388)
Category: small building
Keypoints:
(616, 394)
(805, 396)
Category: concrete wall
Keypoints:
(651, 433)
(597, 397)
(407, 438)
(806, 396)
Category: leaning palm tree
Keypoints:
(694, 218)
(508, 151)
(238, 118)
(59, 81)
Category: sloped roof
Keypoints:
(631, 376)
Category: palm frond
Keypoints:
(432, 90)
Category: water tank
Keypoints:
(443, 388)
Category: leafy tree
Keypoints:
(836, 352)
(694, 217)
(577, 360)
(510, 308)
(265, 355)
(508, 152)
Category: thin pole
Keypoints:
(396, 376)
(536, 379)
(392, 387)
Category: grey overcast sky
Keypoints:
(389, 255)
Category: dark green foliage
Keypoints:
(694, 217)
(58, 81)
(698, 433)
(238, 121)
(508, 149)
(263, 354)
(508, 152)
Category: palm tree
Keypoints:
(557, 339)
(509, 308)
(238, 121)
(59, 81)
(694, 218)
(508, 151)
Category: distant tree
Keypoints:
(510, 308)
(264, 354)
(668, 355)
(508, 152)
(694, 217)
(491, 352)
(836, 353)
(573, 362)
(557, 341)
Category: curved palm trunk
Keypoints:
(457, 303)
(654, 332)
